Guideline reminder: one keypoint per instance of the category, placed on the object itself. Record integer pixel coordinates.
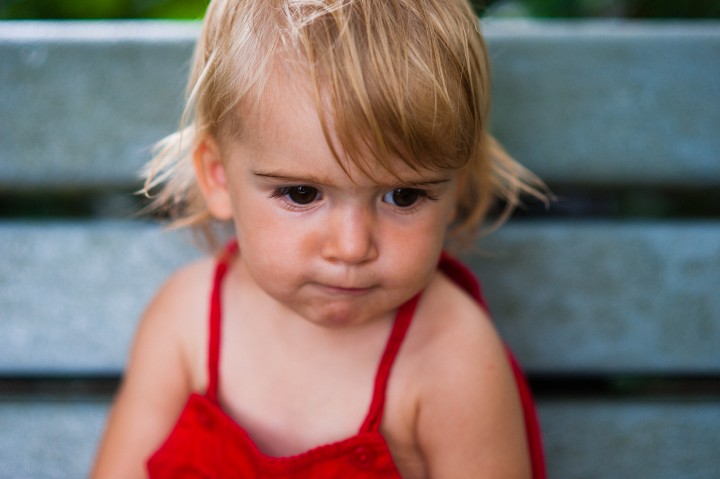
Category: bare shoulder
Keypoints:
(177, 317)
(450, 320)
(162, 370)
(469, 421)
(184, 289)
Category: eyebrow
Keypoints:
(317, 180)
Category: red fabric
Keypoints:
(207, 443)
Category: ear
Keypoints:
(211, 177)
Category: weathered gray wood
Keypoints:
(570, 296)
(82, 103)
(606, 296)
(661, 440)
(591, 102)
(604, 102)
(49, 440)
(71, 293)
(582, 439)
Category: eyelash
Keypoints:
(284, 193)
(421, 195)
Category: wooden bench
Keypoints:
(609, 299)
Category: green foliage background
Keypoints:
(101, 9)
(193, 9)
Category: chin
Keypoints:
(336, 316)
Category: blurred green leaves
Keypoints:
(194, 9)
(101, 9)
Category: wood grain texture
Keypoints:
(567, 296)
(588, 102)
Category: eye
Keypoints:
(404, 197)
(300, 195)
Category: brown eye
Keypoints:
(403, 197)
(301, 195)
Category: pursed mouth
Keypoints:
(345, 290)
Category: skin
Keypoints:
(326, 257)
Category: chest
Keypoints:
(290, 405)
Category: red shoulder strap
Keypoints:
(398, 333)
(462, 276)
(221, 267)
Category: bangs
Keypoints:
(394, 79)
(395, 82)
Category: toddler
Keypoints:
(344, 143)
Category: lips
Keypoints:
(344, 290)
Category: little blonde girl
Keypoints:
(345, 142)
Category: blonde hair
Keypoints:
(401, 79)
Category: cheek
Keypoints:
(261, 234)
(415, 253)
(269, 239)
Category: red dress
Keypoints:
(207, 443)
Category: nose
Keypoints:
(350, 237)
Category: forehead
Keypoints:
(286, 132)
(406, 92)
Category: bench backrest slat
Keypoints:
(576, 102)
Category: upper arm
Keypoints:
(470, 421)
(157, 380)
